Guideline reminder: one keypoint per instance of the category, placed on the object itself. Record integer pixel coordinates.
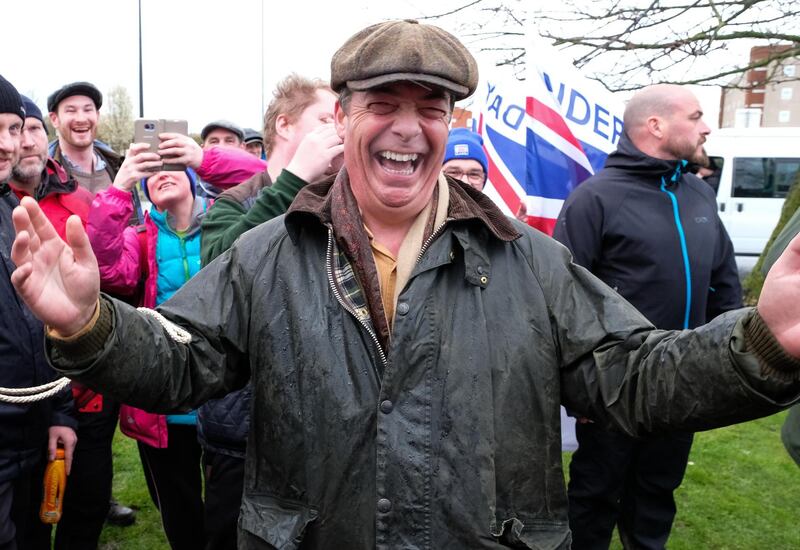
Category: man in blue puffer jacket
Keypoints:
(649, 230)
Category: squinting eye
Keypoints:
(382, 108)
(433, 112)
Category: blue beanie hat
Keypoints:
(31, 110)
(466, 144)
(192, 183)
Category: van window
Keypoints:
(768, 178)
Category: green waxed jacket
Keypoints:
(457, 443)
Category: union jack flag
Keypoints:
(543, 137)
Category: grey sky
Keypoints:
(201, 58)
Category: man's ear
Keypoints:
(54, 120)
(282, 126)
(339, 117)
(656, 126)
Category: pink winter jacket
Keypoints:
(118, 250)
(225, 167)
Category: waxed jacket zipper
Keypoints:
(430, 239)
(338, 295)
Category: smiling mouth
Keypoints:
(402, 164)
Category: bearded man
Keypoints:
(650, 230)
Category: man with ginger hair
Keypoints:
(649, 229)
(301, 145)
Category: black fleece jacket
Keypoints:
(646, 228)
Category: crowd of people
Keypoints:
(296, 374)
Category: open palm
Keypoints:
(58, 281)
(779, 303)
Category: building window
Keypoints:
(788, 70)
(767, 178)
(784, 116)
(786, 93)
(747, 118)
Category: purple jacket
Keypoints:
(118, 249)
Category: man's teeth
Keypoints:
(401, 157)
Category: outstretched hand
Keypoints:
(58, 281)
(779, 303)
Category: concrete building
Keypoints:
(752, 102)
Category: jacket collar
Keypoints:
(112, 159)
(467, 205)
(164, 220)
(55, 180)
(629, 158)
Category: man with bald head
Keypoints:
(649, 230)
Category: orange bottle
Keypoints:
(55, 483)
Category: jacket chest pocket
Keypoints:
(267, 522)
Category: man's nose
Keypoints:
(7, 144)
(407, 123)
(26, 141)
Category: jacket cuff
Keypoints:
(291, 179)
(88, 344)
(772, 358)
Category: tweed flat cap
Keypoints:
(404, 50)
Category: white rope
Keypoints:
(39, 393)
(175, 332)
(31, 395)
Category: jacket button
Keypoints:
(386, 406)
(384, 505)
(402, 308)
(484, 280)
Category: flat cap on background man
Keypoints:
(224, 125)
(75, 88)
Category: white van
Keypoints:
(757, 167)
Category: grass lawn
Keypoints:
(741, 491)
(130, 489)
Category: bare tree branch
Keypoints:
(626, 44)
